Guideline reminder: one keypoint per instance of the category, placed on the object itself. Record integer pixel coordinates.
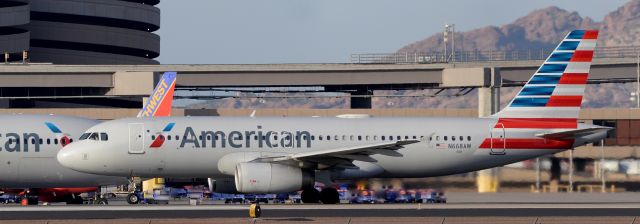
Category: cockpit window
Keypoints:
(94, 136)
(84, 136)
(104, 136)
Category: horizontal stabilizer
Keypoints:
(573, 134)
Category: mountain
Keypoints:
(543, 28)
(540, 29)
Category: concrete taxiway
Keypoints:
(58, 212)
(463, 208)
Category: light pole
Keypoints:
(449, 29)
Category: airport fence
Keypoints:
(481, 56)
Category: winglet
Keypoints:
(159, 103)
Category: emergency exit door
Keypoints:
(498, 140)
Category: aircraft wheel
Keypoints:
(310, 195)
(132, 198)
(329, 195)
(101, 201)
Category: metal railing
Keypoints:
(481, 56)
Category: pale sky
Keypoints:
(327, 31)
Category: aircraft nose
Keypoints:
(70, 156)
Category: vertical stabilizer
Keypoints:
(556, 90)
(159, 103)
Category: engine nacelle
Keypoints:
(223, 185)
(262, 178)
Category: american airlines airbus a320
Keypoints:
(277, 154)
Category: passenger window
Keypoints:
(430, 138)
(437, 138)
(33, 141)
(414, 137)
(328, 137)
(169, 137)
(406, 137)
(153, 137)
(391, 138)
(351, 138)
(208, 137)
(199, 137)
(366, 137)
(48, 141)
(70, 140)
(320, 137)
(359, 137)
(313, 137)
(399, 137)
(335, 138)
(40, 141)
(461, 138)
(55, 141)
(445, 138)
(468, 138)
(453, 138)
(104, 136)
(375, 138)
(177, 137)
(382, 137)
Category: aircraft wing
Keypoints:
(573, 134)
(159, 103)
(341, 157)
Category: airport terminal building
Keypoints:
(80, 32)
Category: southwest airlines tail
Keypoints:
(159, 103)
(555, 91)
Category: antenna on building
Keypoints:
(449, 29)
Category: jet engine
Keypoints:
(222, 185)
(261, 178)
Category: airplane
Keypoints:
(29, 144)
(284, 154)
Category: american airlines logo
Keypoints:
(21, 142)
(245, 139)
(159, 141)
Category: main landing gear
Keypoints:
(133, 198)
(328, 195)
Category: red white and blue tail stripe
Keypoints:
(557, 88)
(550, 101)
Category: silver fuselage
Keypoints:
(127, 152)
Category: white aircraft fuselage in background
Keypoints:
(28, 148)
